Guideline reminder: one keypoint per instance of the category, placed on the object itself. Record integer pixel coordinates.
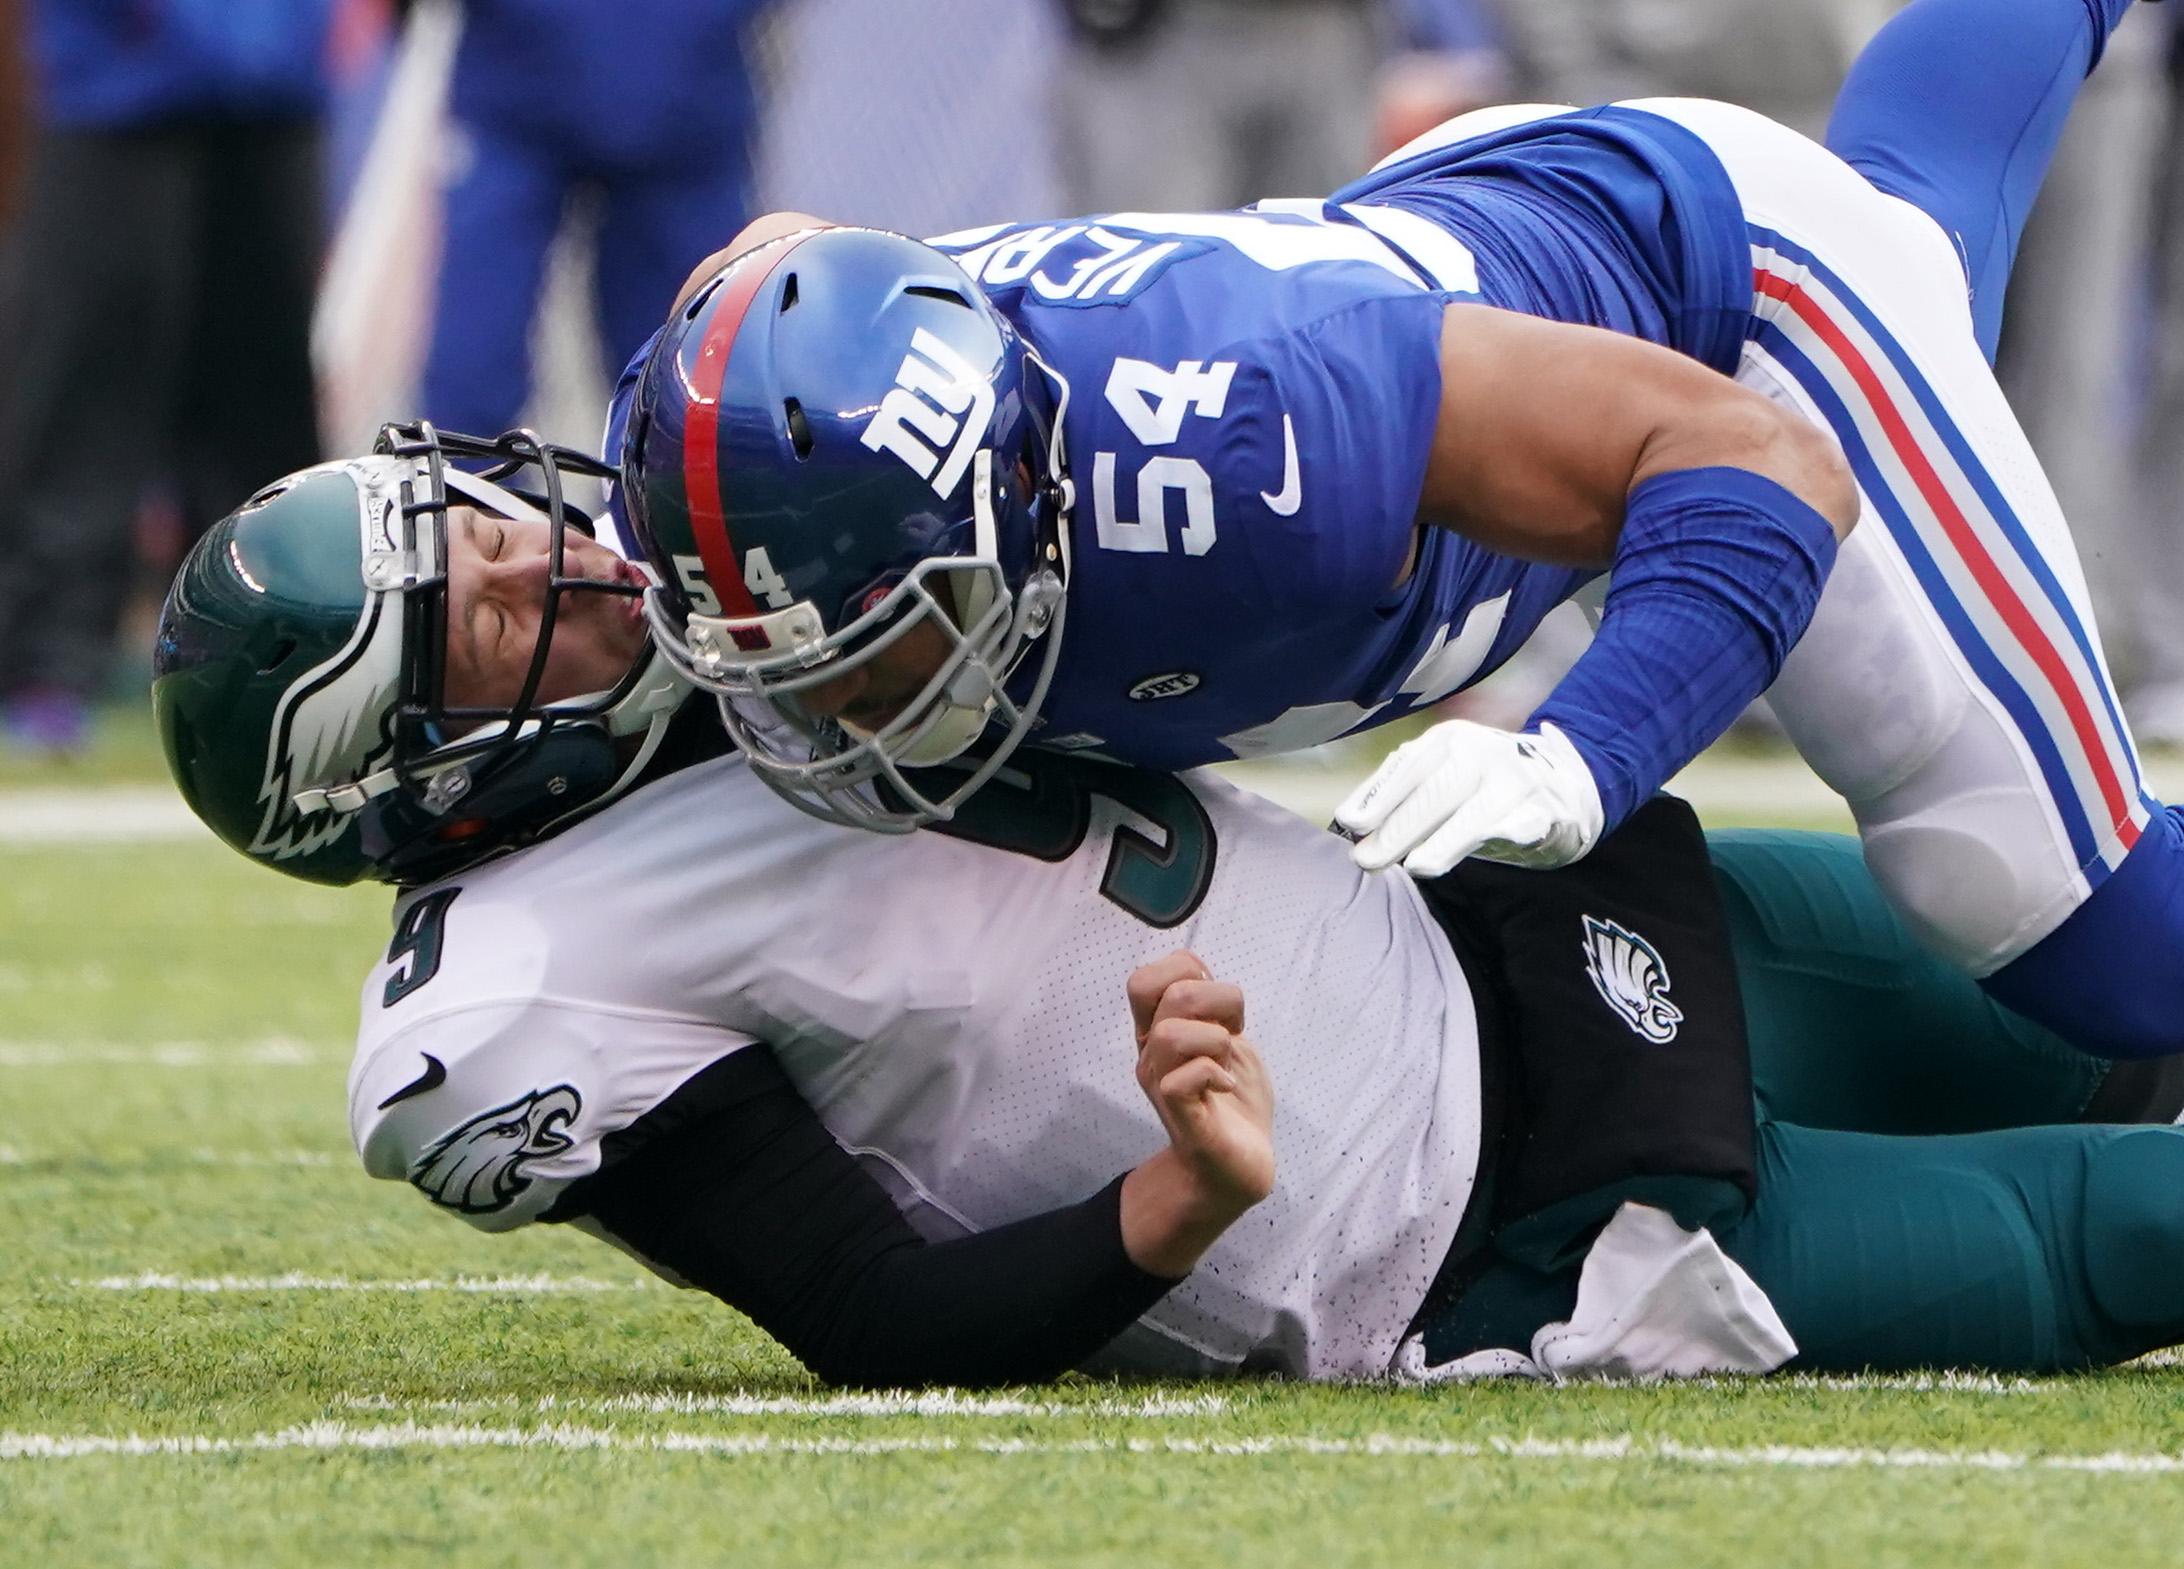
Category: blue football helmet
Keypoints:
(838, 439)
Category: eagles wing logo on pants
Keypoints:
(479, 1167)
(1628, 973)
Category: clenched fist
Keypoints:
(1208, 1085)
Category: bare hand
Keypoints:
(1205, 1079)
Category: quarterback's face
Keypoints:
(497, 571)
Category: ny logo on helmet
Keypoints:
(923, 417)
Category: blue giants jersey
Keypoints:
(1251, 399)
(1250, 402)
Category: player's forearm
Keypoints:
(1171, 1215)
(1717, 574)
(1022, 1303)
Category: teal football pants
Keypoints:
(1906, 1216)
(1853, 1026)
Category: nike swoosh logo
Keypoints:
(432, 1078)
(1291, 496)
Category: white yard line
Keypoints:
(489, 1285)
(1893, 1383)
(256, 1158)
(101, 814)
(274, 1052)
(898, 1402)
(322, 1436)
(247, 1160)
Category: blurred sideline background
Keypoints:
(490, 177)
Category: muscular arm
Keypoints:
(1545, 430)
(1718, 514)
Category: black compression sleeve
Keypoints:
(736, 1187)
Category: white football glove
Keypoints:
(1464, 789)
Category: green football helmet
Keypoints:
(297, 679)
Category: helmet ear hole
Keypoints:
(788, 295)
(799, 428)
(277, 656)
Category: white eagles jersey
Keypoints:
(955, 1014)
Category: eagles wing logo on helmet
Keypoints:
(329, 729)
(479, 1167)
(1628, 973)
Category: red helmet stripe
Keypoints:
(701, 431)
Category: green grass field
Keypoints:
(221, 1344)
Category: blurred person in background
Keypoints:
(1179, 105)
(2071, 361)
(2155, 697)
(155, 297)
(646, 107)
(1784, 58)
(846, 77)
(1448, 57)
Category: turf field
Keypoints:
(221, 1344)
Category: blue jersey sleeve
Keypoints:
(1344, 413)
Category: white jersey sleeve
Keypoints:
(491, 1106)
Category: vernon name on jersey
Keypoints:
(955, 1014)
